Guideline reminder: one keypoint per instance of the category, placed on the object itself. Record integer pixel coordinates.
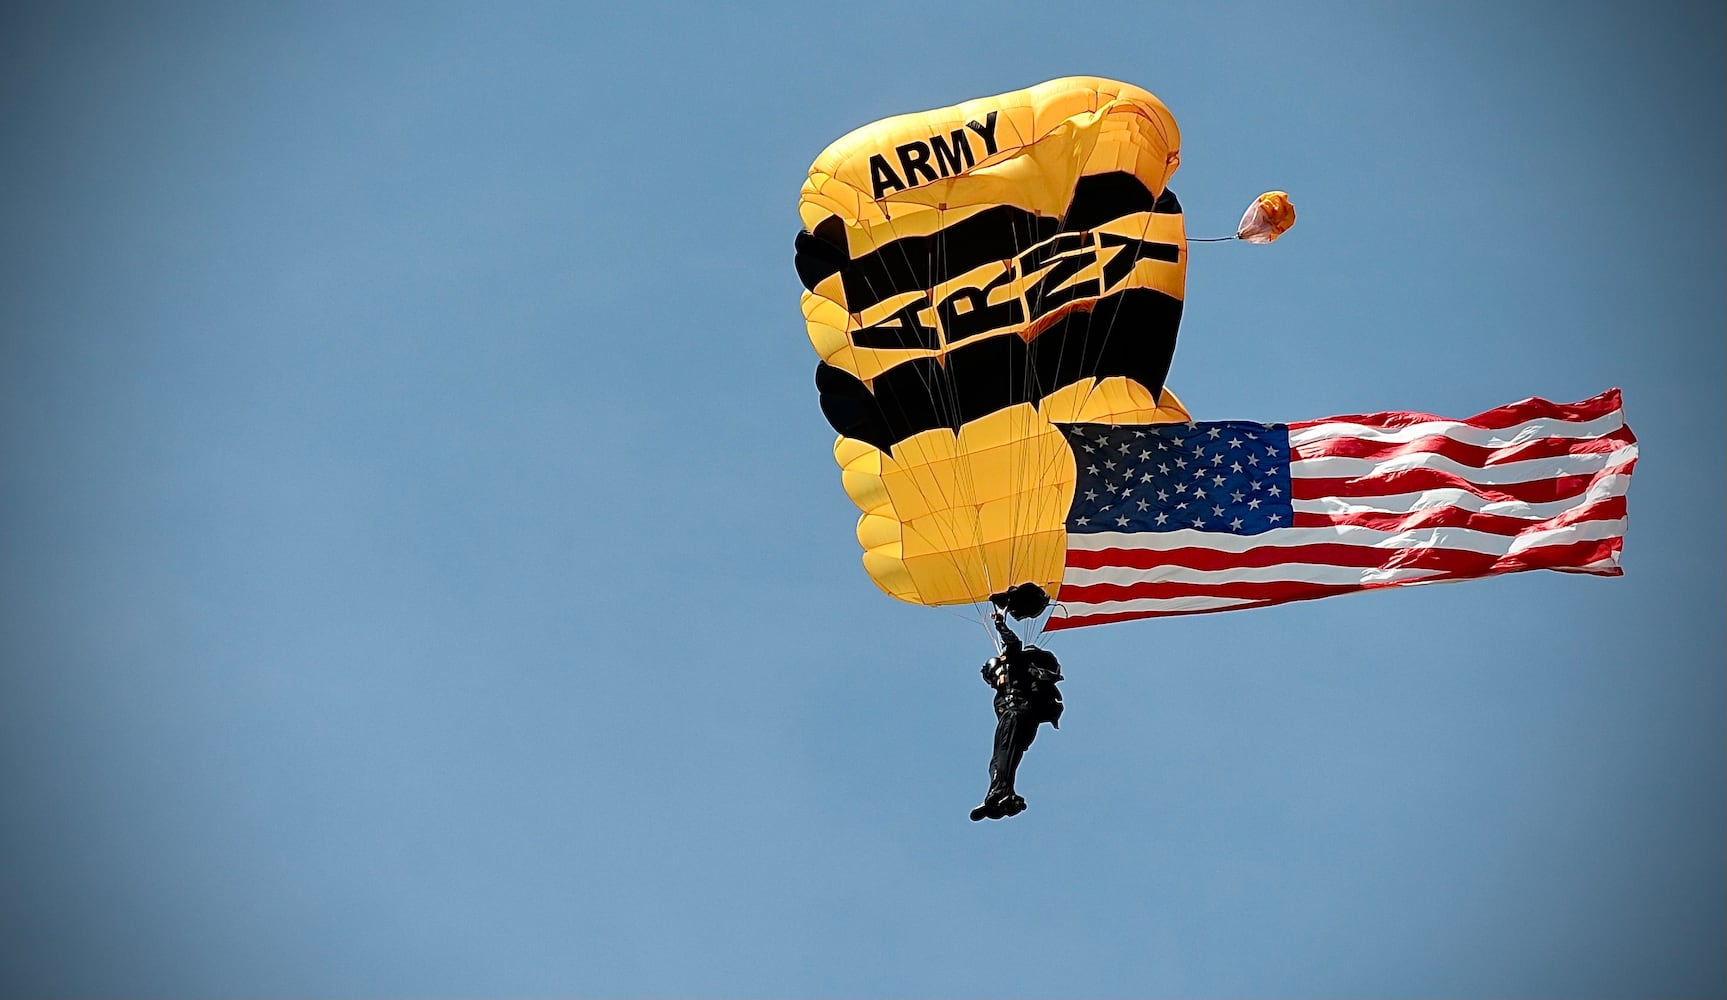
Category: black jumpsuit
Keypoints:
(1024, 678)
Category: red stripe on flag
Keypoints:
(1498, 418)
(1475, 456)
(1198, 557)
(1457, 517)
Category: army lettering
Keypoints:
(1065, 268)
(921, 162)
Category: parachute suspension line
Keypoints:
(1049, 615)
(1109, 328)
(1040, 468)
(1015, 444)
(950, 544)
(1026, 422)
(1045, 474)
(1019, 426)
(1030, 418)
(966, 472)
(1033, 418)
(1026, 457)
(1023, 420)
(1213, 239)
(942, 395)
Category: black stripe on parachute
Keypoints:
(1131, 334)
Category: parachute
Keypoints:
(1269, 217)
(974, 275)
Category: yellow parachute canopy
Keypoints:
(1269, 217)
(973, 275)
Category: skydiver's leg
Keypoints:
(1013, 734)
(1001, 766)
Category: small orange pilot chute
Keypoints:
(1269, 217)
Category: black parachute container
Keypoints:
(1022, 601)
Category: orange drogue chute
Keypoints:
(1269, 217)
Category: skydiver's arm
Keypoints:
(1009, 642)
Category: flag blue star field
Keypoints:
(1171, 519)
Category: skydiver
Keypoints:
(1024, 679)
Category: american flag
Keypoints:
(1176, 519)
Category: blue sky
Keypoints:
(425, 573)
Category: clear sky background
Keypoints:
(423, 571)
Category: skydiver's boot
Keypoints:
(985, 810)
(998, 805)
